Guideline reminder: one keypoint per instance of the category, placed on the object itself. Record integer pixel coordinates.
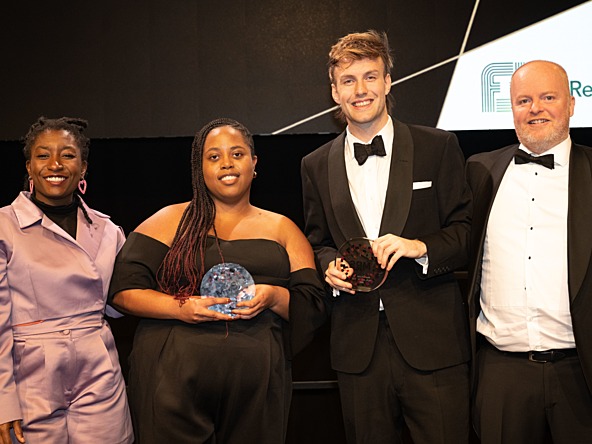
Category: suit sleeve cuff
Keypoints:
(424, 262)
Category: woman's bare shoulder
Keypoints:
(281, 228)
(163, 224)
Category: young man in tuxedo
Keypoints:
(401, 351)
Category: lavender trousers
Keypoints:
(70, 386)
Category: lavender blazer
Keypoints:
(47, 275)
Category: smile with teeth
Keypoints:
(362, 103)
(229, 177)
(537, 121)
(55, 179)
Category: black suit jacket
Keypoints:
(426, 313)
(484, 174)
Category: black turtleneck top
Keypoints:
(66, 216)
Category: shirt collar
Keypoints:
(27, 213)
(387, 132)
(560, 152)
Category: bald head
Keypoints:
(541, 66)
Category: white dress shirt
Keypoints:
(368, 182)
(524, 284)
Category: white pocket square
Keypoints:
(422, 185)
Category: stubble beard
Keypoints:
(540, 144)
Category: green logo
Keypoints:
(494, 98)
(578, 89)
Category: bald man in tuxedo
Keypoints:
(530, 296)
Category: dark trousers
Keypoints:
(389, 393)
(201, 384)
(521, 402)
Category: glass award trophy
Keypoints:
(227, 280)
(366, 274)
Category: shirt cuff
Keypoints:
(424, 262)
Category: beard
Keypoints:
(539, 143)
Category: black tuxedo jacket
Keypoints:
(426, 313)
(484, 174)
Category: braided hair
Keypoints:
(180, 274)
(73, 125)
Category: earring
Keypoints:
(254, 174)
(31, 186)
(82, 185)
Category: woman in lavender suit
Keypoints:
(60, 380)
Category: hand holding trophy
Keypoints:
(359, 263)
(227, 280)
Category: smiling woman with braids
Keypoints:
(60, 379)
(199, 376)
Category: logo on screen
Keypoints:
(579, 89)
(495, 87)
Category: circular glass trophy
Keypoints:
(227, 280)
(366, 272)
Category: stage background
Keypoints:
(152, 68)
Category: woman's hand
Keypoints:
(266, 296)
(5, 432)
(195, 309)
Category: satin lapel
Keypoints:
(50, 225)
(486, 195)
(89, 236)
(400, 185)
(579, 215)
(343, 206)
(483, 197)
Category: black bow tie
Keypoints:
(523, 157)
(375, 148)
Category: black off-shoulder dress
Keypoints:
(217, 382)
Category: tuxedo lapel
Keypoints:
(343, 205)
(489, 180)
(485, 195)
(400, 184)
(579, 235)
